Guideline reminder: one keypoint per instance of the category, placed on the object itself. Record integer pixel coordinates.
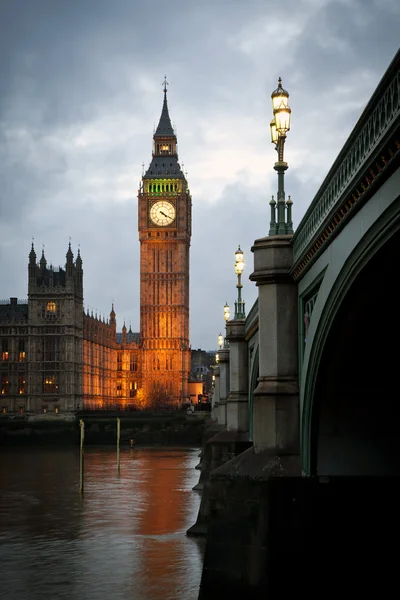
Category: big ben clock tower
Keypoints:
(164, 220)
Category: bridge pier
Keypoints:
(234, 437)
(223, 363)
(276, 398)
(216, 394)
(256, 501)
(237, 408)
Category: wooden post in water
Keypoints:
(118, 437)
(81, 462)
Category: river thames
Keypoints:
(123, 538)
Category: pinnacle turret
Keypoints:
(112, 314)
(69, 256)
(78, 261)
(43, 261)
(32, 256)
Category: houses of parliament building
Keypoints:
(55, 357)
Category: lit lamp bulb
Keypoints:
(239, 261)
(227, 312)
(220, 340)
(274, 132)
(281, 109)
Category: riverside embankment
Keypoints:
(164, 428)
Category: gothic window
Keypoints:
(51, 307)
(50, 384)
(119, 362)
(119, 388)
(21, 384)
(4, 349)
(21, 350)
(51, 348)
(133, 363)
(4, 384)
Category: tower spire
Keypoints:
(164, 127)
(164, 164)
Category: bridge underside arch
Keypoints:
(356, 410)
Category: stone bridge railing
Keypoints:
(348, 179)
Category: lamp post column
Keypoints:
(237, 416)
(280, 167)
(276, 398)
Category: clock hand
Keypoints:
(163, 213)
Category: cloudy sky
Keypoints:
(80, 93)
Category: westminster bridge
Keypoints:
(303, 463)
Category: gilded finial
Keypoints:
(165, 83)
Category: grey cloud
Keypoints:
(69, 71)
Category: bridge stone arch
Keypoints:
(349, 413)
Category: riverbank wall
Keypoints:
(169, 428)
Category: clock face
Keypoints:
(162, 213)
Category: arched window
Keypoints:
(51, 307)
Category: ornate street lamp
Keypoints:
(239, 267)
(279, 127)
(227, 312)
(220, 340)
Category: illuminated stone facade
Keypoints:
(55, 357)
(164, 220)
